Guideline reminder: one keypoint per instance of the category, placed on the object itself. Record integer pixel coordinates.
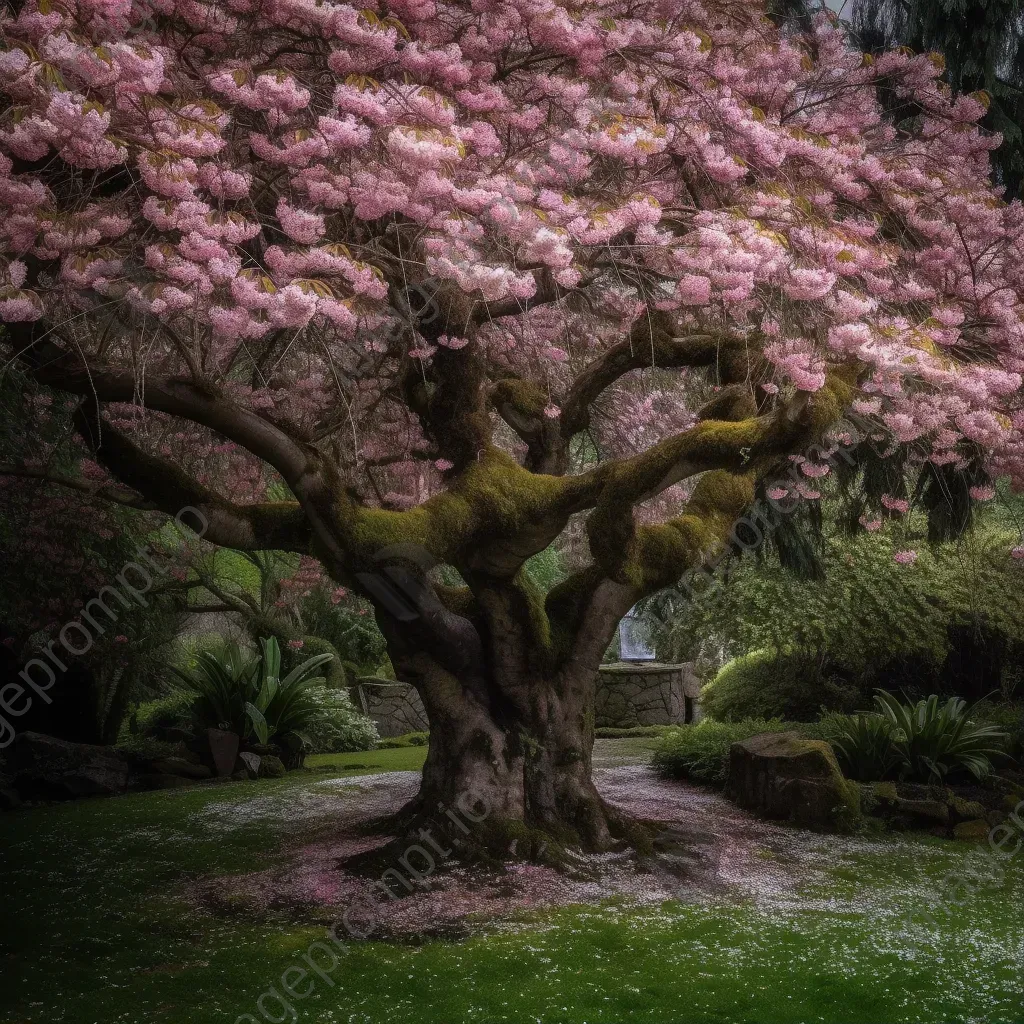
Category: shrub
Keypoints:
(340, 727)
(921, 742)
(243, 692)
(612, 733)
(764, 684)
(700, 752)
(865, 749)
(155, 717)
(952, 625)
(350, 628)
(934, 740)
(1008, 718)
(140, 749)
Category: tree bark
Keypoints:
(513, 756)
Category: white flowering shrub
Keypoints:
(341, 726)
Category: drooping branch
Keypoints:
(125, 498)
(208, 406)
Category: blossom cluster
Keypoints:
(239, 194)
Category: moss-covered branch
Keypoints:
(742, 448)
(651, 342)
(521, 404)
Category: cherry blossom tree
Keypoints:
(464, 276)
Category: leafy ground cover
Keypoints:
(99, 925)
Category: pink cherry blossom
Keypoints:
(898, 505)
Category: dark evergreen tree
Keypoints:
(982, 42)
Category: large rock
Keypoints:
(962, 809)
(271, 767)
(180, 766)
(47, 768)
(976, 831)
(783, 775)
(932, 812)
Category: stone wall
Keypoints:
(627, 695)
(395, 707)
(645, 693)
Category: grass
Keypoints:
(95, 932)
(607, 732)
(369, 762)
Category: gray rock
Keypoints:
(251, 762)
(394, 706)
(655, 693)
(47, 768)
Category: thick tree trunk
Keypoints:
(520, 768)
(511, 716)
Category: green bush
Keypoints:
(952, 623)
(768, 685)
(1008, 718)
(934, 740)
(243, 692)
(700, 752)
(154, 717)
(139, 749)
(340, 727)
(865, 749)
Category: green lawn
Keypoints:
(95, 932)
(400, 759)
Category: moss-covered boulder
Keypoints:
(47, 768)
(927, 812)
(271, 767)
(962, 809)
(976, 831)
(885, 792)
(783, 775)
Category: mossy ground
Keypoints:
(95, 931)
